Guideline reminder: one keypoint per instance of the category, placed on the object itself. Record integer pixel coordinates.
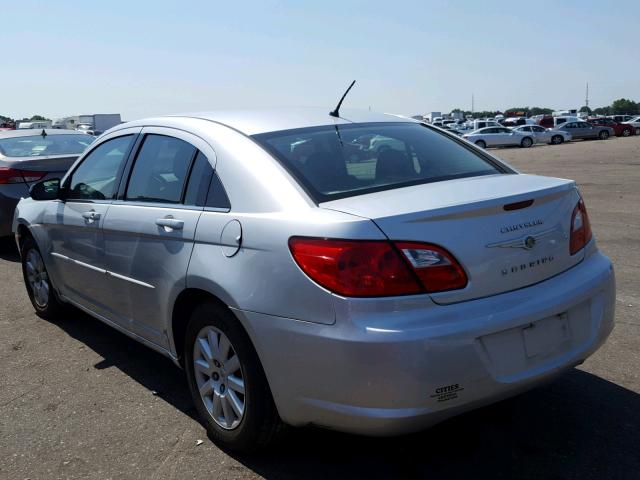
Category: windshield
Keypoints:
(41, 146)
(334, 162)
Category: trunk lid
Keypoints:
(501, 250)
(55, 166)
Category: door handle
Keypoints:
(169, 223)
(91, 216)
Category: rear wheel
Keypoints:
(603, 135)
(481, 144)
(557, 140)
(626, 132)
(227, 383)
(39, 287)
(637, 130)
(526, 142)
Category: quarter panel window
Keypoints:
(160, 170)
(199, 181)
(95, 178)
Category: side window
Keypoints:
(160, 170)
(95, 178)
(199, 181)
(217, 197)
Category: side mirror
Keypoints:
(46, 189)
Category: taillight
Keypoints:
(580, 228)
(436, 268)
(362, 268)
(12, 175)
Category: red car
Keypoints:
(546, 122)
(621, 129)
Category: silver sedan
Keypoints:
(499, 137)
(544, 135)
(301, 274)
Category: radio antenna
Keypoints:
(336, 112)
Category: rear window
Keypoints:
(41, 146)
(341, 161)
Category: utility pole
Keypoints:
(472, 109)
(586, 100)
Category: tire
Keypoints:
(526, 142)
(481, 144)
(557, 140)
(36, 279)
(603, 135)
(637, 130)
(626, 132)
(237, 409)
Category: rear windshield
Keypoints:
(334, 162)
(41, 146)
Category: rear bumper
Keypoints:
(10, 195)
(405, 369)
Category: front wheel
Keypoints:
(626, 132)
(603, 135)
(39, 287)
(227, 383)
(481, 144)
(557, 140)
(638, 131)
(526, 142)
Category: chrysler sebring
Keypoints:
(303, 275)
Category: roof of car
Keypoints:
(263, 120)
(28, 132)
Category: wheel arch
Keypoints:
(184, 305)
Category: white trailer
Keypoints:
(98, 122)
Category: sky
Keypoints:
(145, 58)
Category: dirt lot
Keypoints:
(79, 400)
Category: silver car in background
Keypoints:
(27, 156)
(585, 131)
(499, 137)
(544, 135)
(303, 274)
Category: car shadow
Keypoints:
(581, 426)
(8, 250)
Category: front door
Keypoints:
(75, 223)
(149, 232)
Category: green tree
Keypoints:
(585, 109)
(624, 106)
(602, 111)
(540, 111)
(38, 118)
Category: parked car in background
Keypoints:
(635, 123)
(27, 156)
(516, 121)
(620, 118)
(34, 125)
(545, 135)
(499, 137)
(586, 131)
(620, 129)
(546, 121)
(304, 289)
(557, 121)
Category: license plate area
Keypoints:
(546, 336)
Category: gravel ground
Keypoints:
(79, 400)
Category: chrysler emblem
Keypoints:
(526, 241)
(529, 242)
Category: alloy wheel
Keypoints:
(37, 278)
(219, 377)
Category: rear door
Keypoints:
(149, 230)
(505, 136)
(74, 224)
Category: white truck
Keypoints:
(433, 116)
(98, 123)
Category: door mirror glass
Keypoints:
(46, 189)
